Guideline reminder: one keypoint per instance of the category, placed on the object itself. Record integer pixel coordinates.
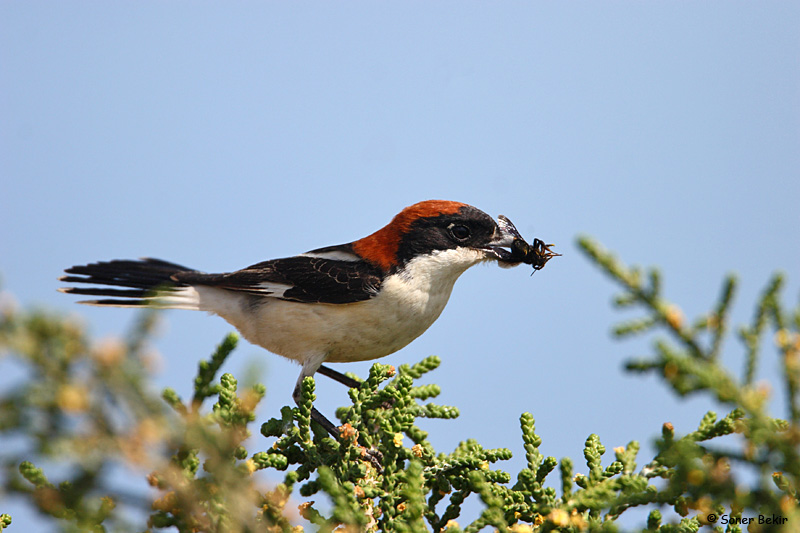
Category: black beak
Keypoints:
(510, 249)
(502, 241)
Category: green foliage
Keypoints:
(88, 406)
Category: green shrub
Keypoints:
(89, 406)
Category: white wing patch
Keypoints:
(266, 288)
(337, 255)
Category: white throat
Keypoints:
(440, 269)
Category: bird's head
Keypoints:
(457, 233)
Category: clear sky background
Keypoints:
(218, 135)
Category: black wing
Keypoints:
(304, 278)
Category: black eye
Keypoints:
(460, 233)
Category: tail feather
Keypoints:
(149, 283)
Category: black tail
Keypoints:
(149, 283)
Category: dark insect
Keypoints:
(536, 255)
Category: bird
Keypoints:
(350, 302)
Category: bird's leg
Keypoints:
(315, 415)
(375, 457)
(348, 382)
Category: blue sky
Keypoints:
(219, 135)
